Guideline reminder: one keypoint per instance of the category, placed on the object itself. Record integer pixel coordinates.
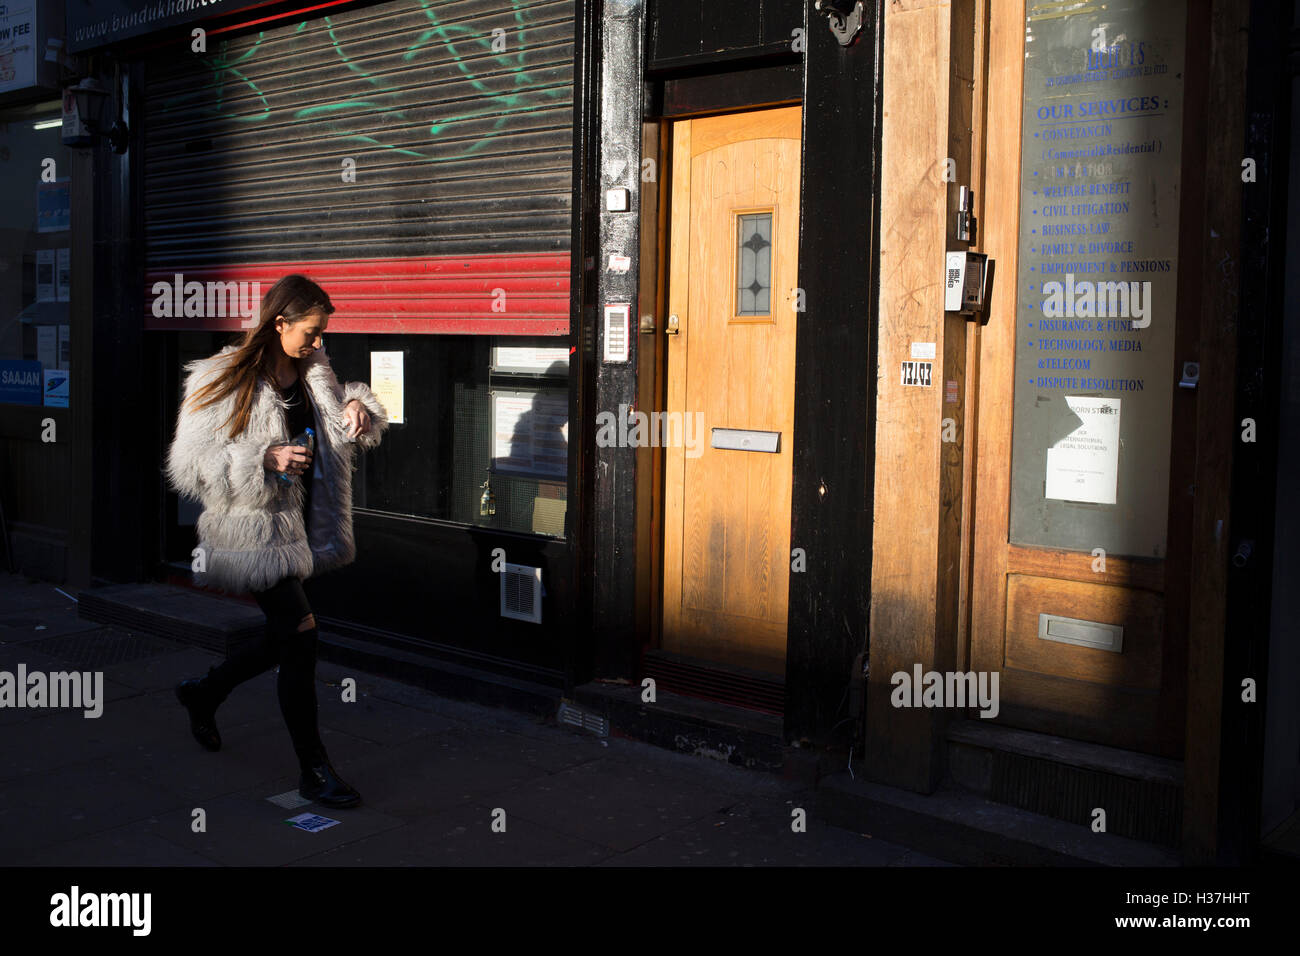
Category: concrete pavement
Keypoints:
(122, 789)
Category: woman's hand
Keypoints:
(357, 418)
(287, 459)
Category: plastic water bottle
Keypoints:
(307, 440)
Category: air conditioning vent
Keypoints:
(521, 593)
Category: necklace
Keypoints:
(291, 393)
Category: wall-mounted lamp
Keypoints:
(83, 107)
(845, 16)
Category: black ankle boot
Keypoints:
(321, 784)
(196, 697)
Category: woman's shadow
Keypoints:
(539, 449)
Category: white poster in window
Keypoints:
(45, 275)
(531, 433)
(539, 360)
(387, 380)
(17, 45)
(1084, 465)
(47, 345)
(63, 274)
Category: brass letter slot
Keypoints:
(1069, 630)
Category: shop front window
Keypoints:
(478, 432)
(484, 431)
(35, 257)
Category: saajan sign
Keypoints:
(95, 23)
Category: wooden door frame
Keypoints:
(679, 98)
(993, 566)
(1216, 316)
(835, 361)
(682, 147)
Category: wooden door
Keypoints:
(1089, 645)
(732, 275)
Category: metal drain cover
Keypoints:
(97, 649)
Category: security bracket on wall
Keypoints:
(845, 18)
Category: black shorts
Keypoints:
(285, 604)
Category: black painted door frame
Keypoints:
(835, 380)
(834, 432)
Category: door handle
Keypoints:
(672, 325)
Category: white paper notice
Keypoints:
(1084, 465)
(45, 275)
(47, 346)
(63, 274)
(531, 434)
(546, 360)
(387, 378)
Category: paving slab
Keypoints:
(19, 595)
(37, 623)
(463, 836)
(616, 805)
(164, 671)
(12, 655)
(67, 738)
(760, 835)
(704, 771)
(383, 722)
(428, 775)
(129, 845)
(460, 711)
(245, 829)
(70, 802)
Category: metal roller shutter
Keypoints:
(462, 183)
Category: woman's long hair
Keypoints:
(292, 298)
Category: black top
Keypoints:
(299, 419)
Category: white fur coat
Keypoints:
(251, 530)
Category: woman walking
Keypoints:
(274, 514)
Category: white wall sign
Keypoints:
(17, 45)
(538, 360)
(387, 381)
(1084, 465)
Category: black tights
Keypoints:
(285, 605)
